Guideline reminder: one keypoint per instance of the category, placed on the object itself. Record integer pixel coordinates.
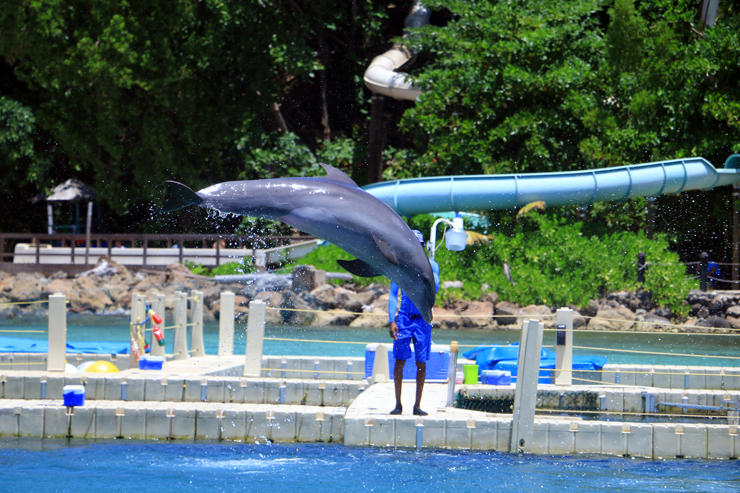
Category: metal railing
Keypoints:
(78, 247)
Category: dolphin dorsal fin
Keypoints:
(385, 249)
(358, 268)
(340, 176)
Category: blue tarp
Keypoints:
(20, 345)
(506, 358)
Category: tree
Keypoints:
(134, 93)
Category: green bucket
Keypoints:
(471, 374)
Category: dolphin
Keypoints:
(336, 209)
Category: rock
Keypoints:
(734, 321)
(591, 309)
(324, 296)
(102, 269)
(27, 287)
(86, 295)
(717, 306)
(503, 309)
(619, 318)
(374, 314)
(150, 281)
(662, 312)
(579, 321)
(478, 314)
(352, 301)
(716, 322)
(6, 283)
(654, 322)
(305, 315)
(452, 285)
(446, 319)
(733, 310)
(272, 300)
(60, 274)
(455, 305)
(538, 312)
(491, 297)
(58, 285)
(324, 319)
(620, 298)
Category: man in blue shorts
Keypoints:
(407, 327)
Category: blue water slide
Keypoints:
(488, 192)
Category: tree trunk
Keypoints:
(377, 139)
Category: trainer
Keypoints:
(406, 327)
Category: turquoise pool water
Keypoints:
(724, 350)
(30, 466)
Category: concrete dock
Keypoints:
(207, 399)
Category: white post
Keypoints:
(158, 308)
(381, 372)
(226, 324)
(180, 337)
(452, 374)
(50, 218)
(564, 348)
(525, 395)
(196, 332)
(57, 356)
(255, 339)
(88, 225)
(138, 314)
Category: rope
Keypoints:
(315, 371)
(315, 340)
(25, 331)
(636, 372)
(628, 413)
(655, 353)
(27, 302)
(634, 322)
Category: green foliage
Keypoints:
(552, 262)
(325, 258)
(539, 85)
(135, 93)
(227, 269)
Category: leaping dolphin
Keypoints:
(333, 208)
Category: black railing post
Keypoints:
(641, 257)
(703, 267)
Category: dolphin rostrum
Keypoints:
(334, 208)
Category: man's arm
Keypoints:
(435, 271)
(392, 308)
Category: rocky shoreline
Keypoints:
(107, 290)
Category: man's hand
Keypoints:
(393, 330)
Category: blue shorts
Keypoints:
(413, 329)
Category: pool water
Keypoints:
(715, 350)
(34, 465)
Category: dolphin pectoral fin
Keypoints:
(177, 196)
(385, 249)
(358, 268)
(340, 176)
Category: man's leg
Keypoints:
(421, 374)
(397, 382)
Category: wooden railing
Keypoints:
(76, 243)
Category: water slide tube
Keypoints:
(487, 192)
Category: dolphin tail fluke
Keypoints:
(358, 268)
(178, 196)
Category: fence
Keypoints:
(134, 249)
